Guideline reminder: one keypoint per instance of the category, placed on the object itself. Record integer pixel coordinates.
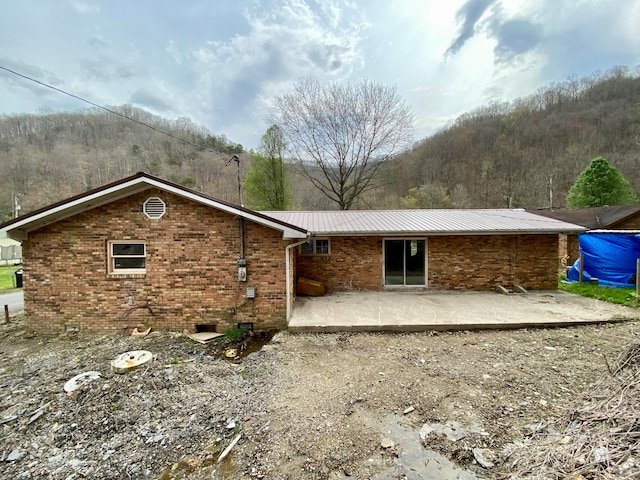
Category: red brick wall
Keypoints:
(537, 267)
(482, 262)
(573, 248)
(355, 263)
(191, 273)
(454, 262)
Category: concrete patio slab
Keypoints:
(425, 311)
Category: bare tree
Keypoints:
(340, 133)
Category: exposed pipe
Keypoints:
(288, 271)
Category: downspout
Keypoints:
(287, 250)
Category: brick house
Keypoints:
(438, 249)
(619, 217)
(144, 252)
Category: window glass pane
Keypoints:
(307, 248)
(394, 262)
(128, 248)
(415, 262)
(322, 247)
(129, 262)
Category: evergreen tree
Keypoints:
(598, 185)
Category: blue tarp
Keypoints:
(609, 257)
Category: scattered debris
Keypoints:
(8, 419)
(311, 405)
(485, 457)
(600, 439)
(79, 380)
(140, 333)
(408, 410)
(520, 289)
(204, 337)
(226, 451)
(452, 430)
(309, 287)
(15, 455)
(35, 416)
(130, 360)
(231, 352)
(412, 459)
(387, 443)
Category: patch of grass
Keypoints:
(622, 296)
(237, 429)
(234, 333)
(7, 276)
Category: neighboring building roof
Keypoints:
(19, 228)
(591, 218)
(432, 222)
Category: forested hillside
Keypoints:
(500, 155)
(45, 158)
(511, 155)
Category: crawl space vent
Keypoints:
(154, 208)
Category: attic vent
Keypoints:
(154, 208)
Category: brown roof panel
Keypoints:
(598, 217)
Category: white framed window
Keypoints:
(127, 257)
(316, 246)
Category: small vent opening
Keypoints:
(154, 208)
(211, 327)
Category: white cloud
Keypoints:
(85, 7)
(288, 41)
(219, 62)
(173, 50)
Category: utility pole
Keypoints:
(236, 159)
(242, 269)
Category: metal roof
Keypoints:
(432, 222)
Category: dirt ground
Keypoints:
(305, 406)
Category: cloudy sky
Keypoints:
(218, 62)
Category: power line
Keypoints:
(26, 77)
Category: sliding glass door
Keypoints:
(404, 263)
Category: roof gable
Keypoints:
(20, 227)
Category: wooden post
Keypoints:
(6, 313)
(581, 277)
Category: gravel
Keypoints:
(314, 406)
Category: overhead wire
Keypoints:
(163, 132)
